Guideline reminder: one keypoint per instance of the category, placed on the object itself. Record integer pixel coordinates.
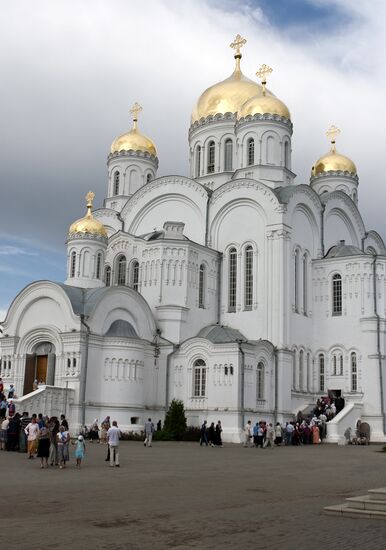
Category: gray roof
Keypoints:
(342, 250)
(121, 329)
(219, 334)
(83, 300)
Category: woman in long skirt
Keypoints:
(315, 434)
(44, 446)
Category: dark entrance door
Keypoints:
(29, 374)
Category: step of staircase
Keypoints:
(372, 506)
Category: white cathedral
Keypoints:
(236, 290)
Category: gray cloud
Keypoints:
(71, 69)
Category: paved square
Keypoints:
(181, 495)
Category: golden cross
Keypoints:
(238, 43)
(262, 73)
(134, 111)
(332, 132)
(89, 198)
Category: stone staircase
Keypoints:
(371, 506)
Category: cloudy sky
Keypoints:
(71, 69)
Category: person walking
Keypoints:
(260, 435)
(24, 421)
(270, 436)
(63, 422)
(63, 440)
(113, 435)
(32, 432)
(11, 392)
(290, 430)
(211, 434)
(204, 434)
(248, 434)
(3, 408)
(80, 450)
(11, 408)
(104, 428)
(149, 430)
(43, 446)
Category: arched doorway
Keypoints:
(39, 366)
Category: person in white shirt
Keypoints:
(149, 430)
(32, 431)
(113, 435)
(248, 434)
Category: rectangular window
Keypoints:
(260, 382)
(248, 282)
(354, 373)
(337, 295)
(201, 287)
(199, 382)
(321, 373)
(232, 279)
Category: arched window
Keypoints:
(334, 363)
(305, 284)
(301, 369)
(98, 266)
(198, 161)
(286, 155)
(308, 373)
(211, 157)
(201, 287)
(226, 370)
(341, 365)
(248, 278)
(199, 378)
(108, 275)
(296, 280)
(250, 152)
(148, 178)
(121, 276)
(116, 183)
(260, 381)
(270, 144)
(354, 372)
(135, 275)
(232, 280)
(321, 372)
(72, 264)
(228, 154)
(337, 294)
(294, 369)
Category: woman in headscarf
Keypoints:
(43, 446)
(94, 430)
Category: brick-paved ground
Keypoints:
(179, 495)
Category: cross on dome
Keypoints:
(238, 43)
(89, 198)
(331, 133)
(262, 73)
(134, 111)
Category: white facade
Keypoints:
(252, 298)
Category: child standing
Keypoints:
(80, 449)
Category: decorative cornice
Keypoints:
(212, 119)
(86, 236)
(265, 117)
(331, 174)
(135, 154)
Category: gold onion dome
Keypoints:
(333, 161)
(228, 95)
(88, 225)
(264, 102)
(134, 140)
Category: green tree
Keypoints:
(175, 420)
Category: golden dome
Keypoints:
(228, 95)
(225, 97)
(264, 103)
(88, 225)
(333, 161)
(134, 140)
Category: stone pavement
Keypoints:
(183, 496)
